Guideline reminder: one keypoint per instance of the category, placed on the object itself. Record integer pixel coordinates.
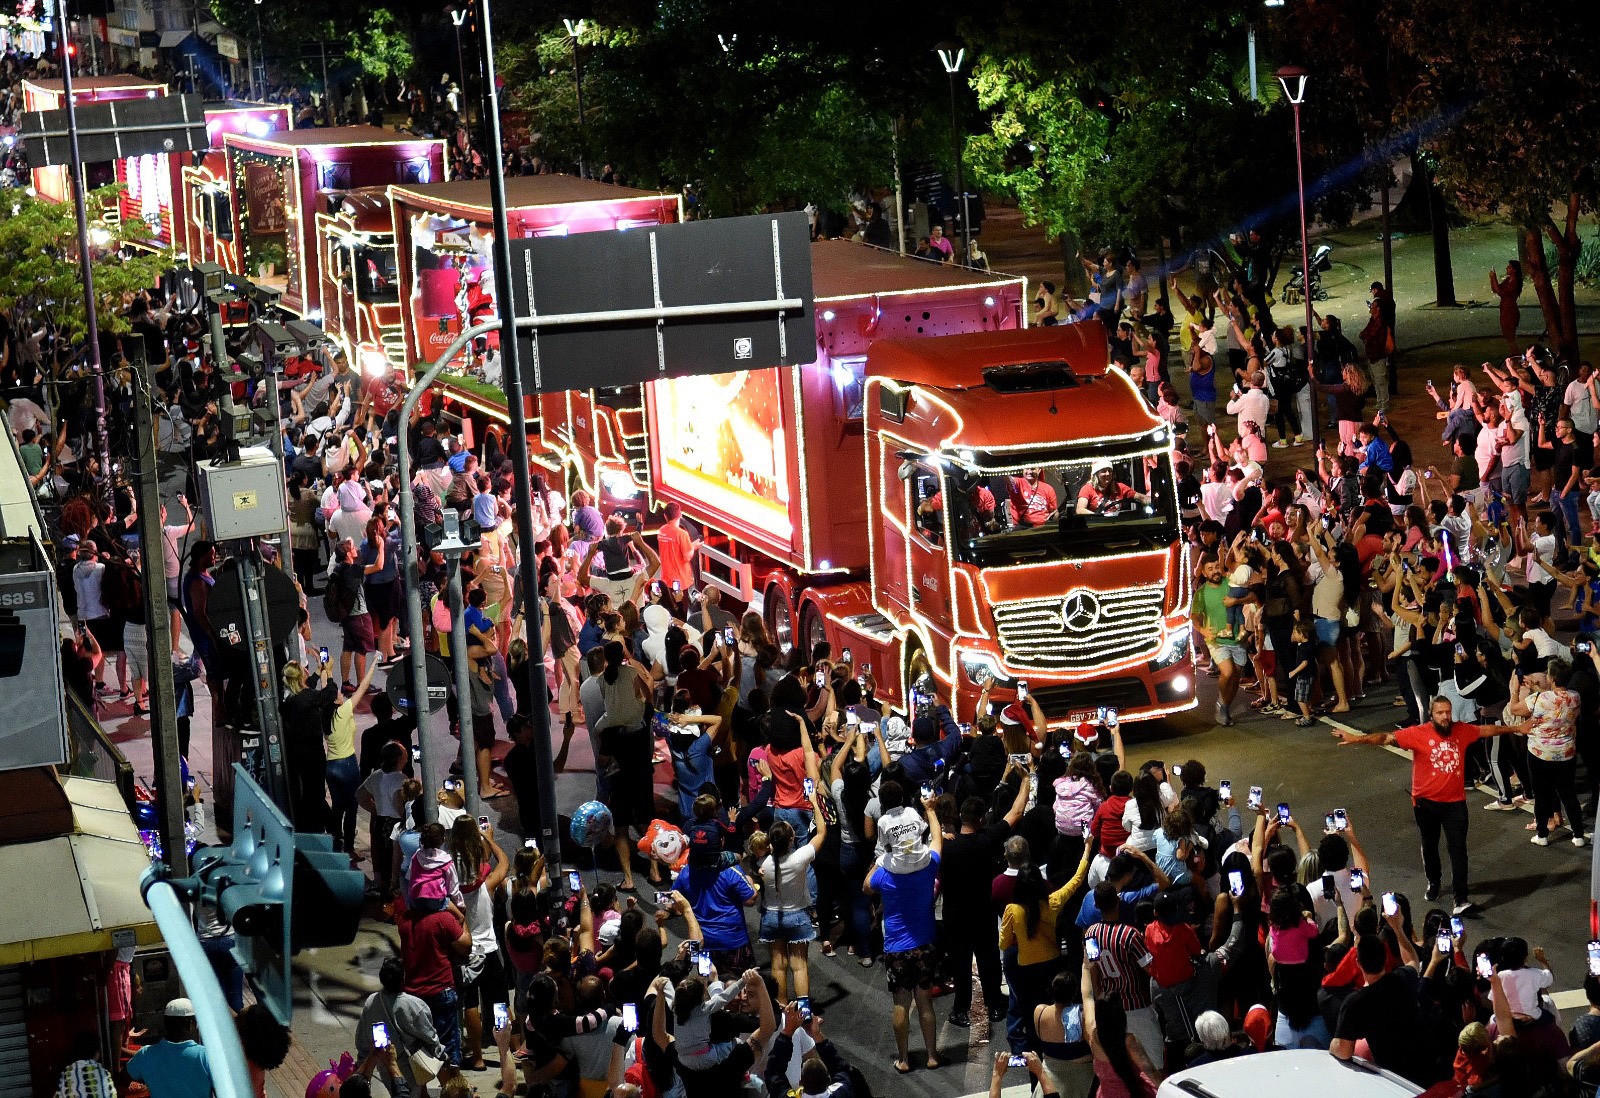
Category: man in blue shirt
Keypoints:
(909, 932)
(935, 738)
(1118, 874)
(175, 1066)
(719, 897)
(1374, 451)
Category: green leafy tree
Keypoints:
(756, 107)
(381, 46)
(1509, 101)
(41, 272)
(1101, 127)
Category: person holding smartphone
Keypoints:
(1438, 788)
(406, 1021)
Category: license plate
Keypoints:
(1078, 716)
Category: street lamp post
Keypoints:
(459, 16)
(951, 56)
(574, 31)
(1293, 80)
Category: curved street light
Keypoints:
(951, 56)
(1293, 80)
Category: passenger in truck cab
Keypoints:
(981, 518)
(1033, 500)
(1104, 494)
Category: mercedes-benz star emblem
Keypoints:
(1079, 612)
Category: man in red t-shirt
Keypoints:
(1033, 500)
(1438, 788)
(431, 945)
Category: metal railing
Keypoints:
(93, 755)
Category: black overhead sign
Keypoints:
(630, 306)
(117, 129)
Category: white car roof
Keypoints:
(1292, 1071)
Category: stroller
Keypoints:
(1293, 289)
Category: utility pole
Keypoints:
(158, 625)
(80, 207)
(458, 659)
(510, 355)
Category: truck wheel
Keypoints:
(811, 628)
(780, 616)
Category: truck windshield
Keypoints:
(1062, 510)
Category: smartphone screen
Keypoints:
(1442, 943)
(1330, 887)
(1457, 927)
(380, 1035)
(663, 899)
(483, 823)
(1022, 690)
(1236, 882)
(1390, 907)
(630, 1017)
(502, 1016)
(1327, 823)
(1594, 958)
(1358, 880)
(822, 679)
(1341, 819)
(702, 964)
(1017, 1061)
(927, 790)
(324, 654)
(727, 636)
(1283, 812)
(1091, 949)
(810, 787)
(677, 587)
(530, 844)
(804, 1003)
(1485, 967)
(574, 882)
(1225, 791)
(1255, 797)
(846, 656)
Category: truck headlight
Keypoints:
(980, 667)
(1176, 648)
(619, 485)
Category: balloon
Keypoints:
(666, 844)
(591, 824)
(326, 1083)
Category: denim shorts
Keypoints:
(1229, 650)
(1327, 632)
(786, 926)
(1515, 478)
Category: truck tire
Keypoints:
(812, 631)
(780, 616)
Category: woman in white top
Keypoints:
(1144, 813)
(785, 925)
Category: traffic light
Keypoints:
(271, 870)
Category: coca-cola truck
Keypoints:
(990, 506)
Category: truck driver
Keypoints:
(981, 518)
(1104, 494)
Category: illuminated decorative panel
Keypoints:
(723, 442)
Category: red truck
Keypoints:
(442, 237)
(822, 490)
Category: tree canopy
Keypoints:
(40, 242)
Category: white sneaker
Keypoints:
(1579, 841)
(1299, 440)
(1280, 445)
(1539, 840)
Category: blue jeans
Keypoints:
(502, 689)
(1567, 504)
(800, 820)
(855, 860)
(446, 1011)
(343, 778)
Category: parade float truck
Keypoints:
(444, 234)
(152, 206)
(278, 183)
(878, 499)
(204, 212)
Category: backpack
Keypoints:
(122, 587)
(338, 600)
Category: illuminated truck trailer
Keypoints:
(915, 500)
(444, 233)
(277, 184)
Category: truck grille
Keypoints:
(1081, 631)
